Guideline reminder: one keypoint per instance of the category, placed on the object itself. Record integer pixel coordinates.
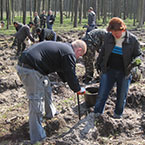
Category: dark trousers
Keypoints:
(21, 46)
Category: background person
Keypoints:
(94, 40)
(21, 35)
(36, 23)
(91, 20)
(46, 34)
(50, 20)
(2, 24)
(42, 19)
(34, 65)
(120, 49)
(17, 27)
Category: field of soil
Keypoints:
(66, 128)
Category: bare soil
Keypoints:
(65, 128)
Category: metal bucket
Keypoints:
(91, 96)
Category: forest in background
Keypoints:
(75, 10)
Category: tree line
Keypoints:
(75, 9)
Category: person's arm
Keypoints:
(29, 35)
(69, 63)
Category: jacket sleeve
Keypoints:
(137, 50)
(69, 75)
(29, 35)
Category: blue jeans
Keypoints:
(49, 26)
(38, 91)
(106, 84)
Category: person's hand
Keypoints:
(82, 91)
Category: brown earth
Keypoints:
(65, 128)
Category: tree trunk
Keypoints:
(141, 12)
(12, 6)
(35, 5)
(7, 13)
(49, 5)
(1, 10)
(72, 10)
(38, 6)
(55, 7)
(43, 5)
(80, 11)
(76, 12)
(84, 9)
(31, 10)
(104, 11)
(61, 11)
(24, 11)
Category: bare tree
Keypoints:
(61, 11)
(38, 6)
(30, 10)
(24, 11)
(1, 10)
(76, 12)
(80, 11)
(141, 12)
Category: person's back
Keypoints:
(94, 40)
(48, 56)
(23, 33)
(96, 37)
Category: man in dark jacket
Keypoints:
(17, 27)
(50, 20)
(46, 34)
(42, 19)
(21, 35)
(34, 65)
(36, 25)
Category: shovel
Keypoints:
(79, 107)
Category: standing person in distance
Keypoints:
(91, 20)
(50, 20)
(42, 19)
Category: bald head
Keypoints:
(79, 47)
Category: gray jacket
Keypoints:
(91, 18)
(130, 47)
(23, 33)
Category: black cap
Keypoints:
(31, 23)
(38, 30)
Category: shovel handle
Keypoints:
(79, 107)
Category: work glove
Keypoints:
(82, 91)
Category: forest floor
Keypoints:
(65, 128)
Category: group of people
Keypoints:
(117, 48)
(38, 30)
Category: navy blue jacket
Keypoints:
(49, 56)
